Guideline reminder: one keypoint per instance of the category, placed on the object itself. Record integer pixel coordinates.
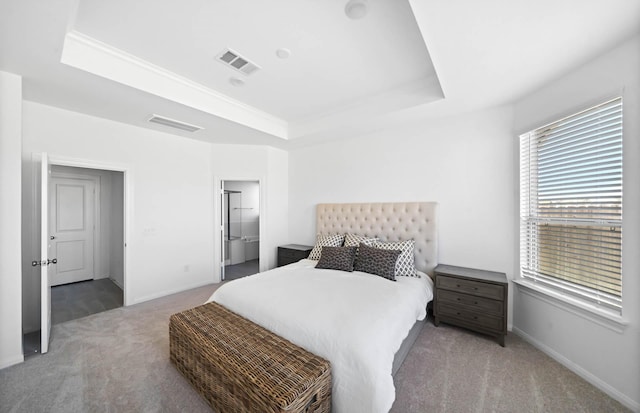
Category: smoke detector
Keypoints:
(233, 60)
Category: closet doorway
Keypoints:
(240, 235)
(75, 244)
(86, 227)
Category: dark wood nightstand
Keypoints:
(470, 298)
(291, 253)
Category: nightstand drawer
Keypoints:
(470, 317)
(479, 303)
(286, 253)
(470, 287)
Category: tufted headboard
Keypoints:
(389, 222)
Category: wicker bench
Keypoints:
(238, 366)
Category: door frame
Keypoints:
(217, 220)
(96, 210)
(126, 197)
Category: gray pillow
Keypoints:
(337, 258)
(377, 261)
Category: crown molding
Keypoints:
(86, 53)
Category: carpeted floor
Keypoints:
(117, 361)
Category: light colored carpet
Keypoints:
(118, 361)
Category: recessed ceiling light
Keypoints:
(356, 9)
(236, 82)
(283, 53)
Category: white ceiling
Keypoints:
(406, 59)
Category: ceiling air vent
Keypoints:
(232, 59)
(172, 123)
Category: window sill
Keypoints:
(607, 319)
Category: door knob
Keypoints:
(52, 237)
(53, 261)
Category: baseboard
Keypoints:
(596, 381)
(10, 361)
(116, 282)
(169, 292)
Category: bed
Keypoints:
(363, 324)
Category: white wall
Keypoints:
(10, 235)
(169, 194)
(270, 166)
(605, 357)
(464, 163)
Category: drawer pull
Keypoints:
(458, 286)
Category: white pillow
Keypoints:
(325, 241)
(406, 261)
(353, 240)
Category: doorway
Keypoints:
(86, 221)
(240, 229)
(86, 240)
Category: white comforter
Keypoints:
(355, 320)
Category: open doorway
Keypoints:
(240, 228)
(86, 222)
(86, 214)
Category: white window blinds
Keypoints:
(571, 205)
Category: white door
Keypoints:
(222, 234)
(45, 285)
(71, 220)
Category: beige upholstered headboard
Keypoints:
(389, 222)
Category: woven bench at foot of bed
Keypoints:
(239, 366)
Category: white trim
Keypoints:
(86, 53)
(10, 361)
(116, 282)
(602, 317)
(169, 292)
(586, 375)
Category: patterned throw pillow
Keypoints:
(377, 261)
(406, 262)
(325, 241)
(353, 240)
(337, 258)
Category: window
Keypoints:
(571, 205)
